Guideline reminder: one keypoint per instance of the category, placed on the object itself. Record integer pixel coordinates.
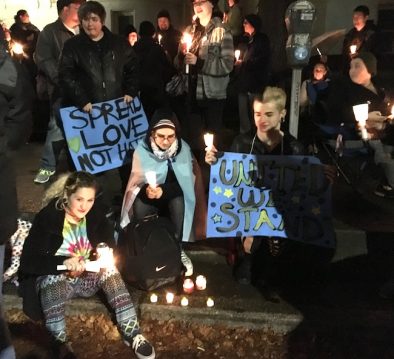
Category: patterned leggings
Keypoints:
(56, 290)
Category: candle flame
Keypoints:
(208, 139)
(17, 48)
(187, 39)
(237, 54)
(353, 49)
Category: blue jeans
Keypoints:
(54, 134)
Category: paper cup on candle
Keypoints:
(151, 178)
(210, 303)
(361, 115)
(153, 298)
(353, 49)
(208, 139)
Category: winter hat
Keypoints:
(213, 2)
(63, 3)
(164, 118)
(163, 13)
(255, 21)
(147, 29)
(164, 123)
(129, 29)
(370, 62)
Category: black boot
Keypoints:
(243, 271)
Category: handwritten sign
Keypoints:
(101, 140)
(281, 196)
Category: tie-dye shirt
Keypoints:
(75, 240)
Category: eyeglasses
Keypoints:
(161, 137)
(199, 3)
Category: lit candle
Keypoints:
(169, 297)
(201, 282)
(210, 303)
(17, 48)
(105, 256)
(208, 139)
(153, 298)
(353, 49)
(159, 38)
(361, 114)
(184, 302)
(151, 178)
(188, 286)
(187, 40)
(237, 54)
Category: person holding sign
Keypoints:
(65, 232)
(269, 113)
(162, 179)
(96, 65)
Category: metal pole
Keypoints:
(295, 101)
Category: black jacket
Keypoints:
(254, 72)
(170, 41)
(249, 143)
(44, 239)
(97, 71)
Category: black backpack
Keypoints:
(151, 255)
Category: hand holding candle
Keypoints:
(361, 114)
(237, 54)
(187, 39)
(151, 178)
(159, 38)
(208, 139)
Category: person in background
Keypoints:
(210, 61)
(364, 36)
(233, 18)
(170, 37)
(131, 35)
(253, 69)
(164, 152)
(155, 69)
(49, 46)
(67, 231)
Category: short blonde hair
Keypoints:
(275, 95)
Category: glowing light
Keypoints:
(208, 139)
(170, 297)
(237, 54)
(201, 282)
(187, 39)
(353, 49)
(17, 48)
(151, 178)
(188, 286)
(361, 115)
(184, 302)
(210, 303)
(159, 38)
(154, 298)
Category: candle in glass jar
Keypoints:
(201, 282)
(188, 286)
(153, 298)
(170, 298)
(210, 303)
(184, 302)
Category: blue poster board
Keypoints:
(281, 196)
(101, 140)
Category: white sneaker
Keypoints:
(187, 263)
(43, 175)
(142, 348)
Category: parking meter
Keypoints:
(299, 18)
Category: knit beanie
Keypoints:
(213, 2)
(370, 62)
(163, 13)
(255, 21)
(147, 29)
(63, 3)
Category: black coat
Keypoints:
(170, 41)
(97, 71)
(254, 72)
(44, 239)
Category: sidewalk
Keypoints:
(348, 294)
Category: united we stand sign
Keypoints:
(102, 140)
(273, 196)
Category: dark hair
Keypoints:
(362, 8)
(128, 30)
(163, 13)
(74, 182)
(92, 7)
(20, 13)
(213, 2)
(322, 64)
(255, 21)
(147, 29)
(61, 4)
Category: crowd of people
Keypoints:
(77, 61)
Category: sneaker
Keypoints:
(385, 191)
(63, 350)
(187, 263)
(142, 348)
(43, 175)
